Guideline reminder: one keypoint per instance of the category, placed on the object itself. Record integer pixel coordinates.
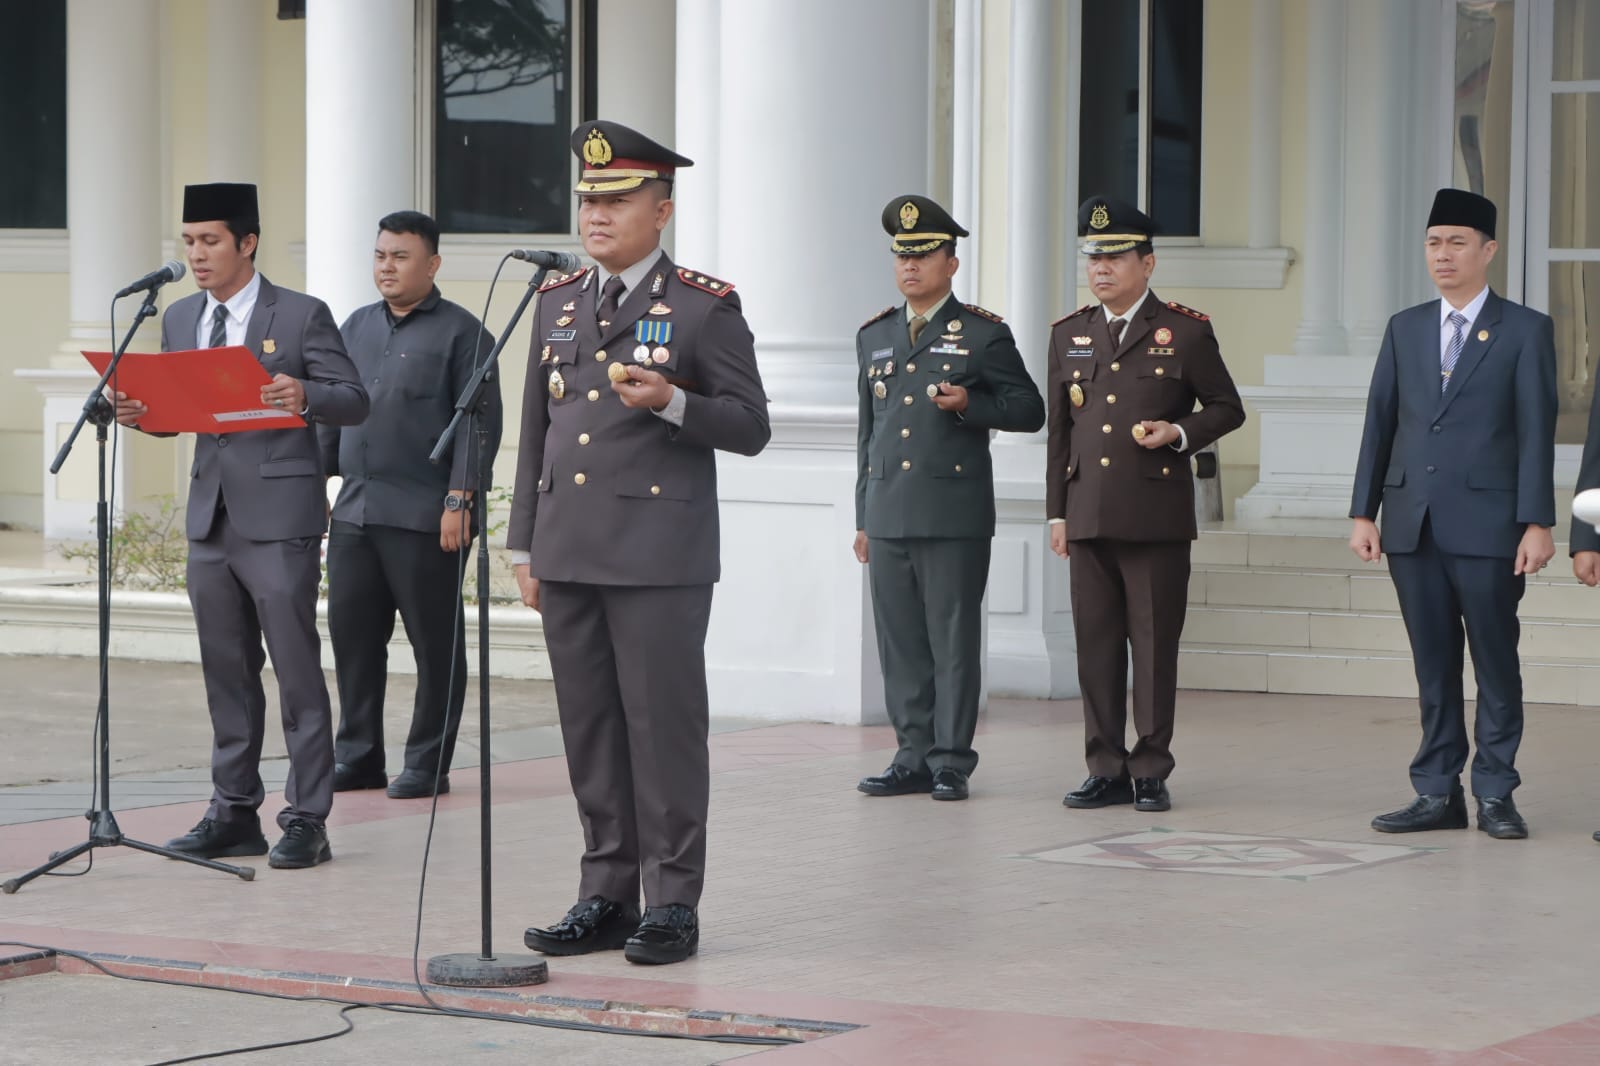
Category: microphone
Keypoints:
(171, 270)
(565, 262)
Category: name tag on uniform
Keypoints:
(882, 353)
(947, 349)
(562, 335)
(1080, 352)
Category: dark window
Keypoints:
(33, 122)
(1118, 141)
(503, 113)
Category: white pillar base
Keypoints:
(1310, 409)
(1032, 651)
(70, 496)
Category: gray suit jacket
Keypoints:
(271, 480)
(611, 495)
(920, 471)
(1478, 458)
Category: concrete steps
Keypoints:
(1285, 607)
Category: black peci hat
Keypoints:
(220, 201)
(1457, 207)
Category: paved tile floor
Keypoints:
(1006, 929)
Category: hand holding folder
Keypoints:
(205, 390)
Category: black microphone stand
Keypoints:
(485, 969)
(103, 829)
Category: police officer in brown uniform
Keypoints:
(1125, 374)
(640, 371)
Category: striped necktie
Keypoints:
(1452, 351)
(219, 326)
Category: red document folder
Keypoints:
(206, 390)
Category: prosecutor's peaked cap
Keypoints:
(1107, 226)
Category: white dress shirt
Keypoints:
(1446, 330)
(239, 306)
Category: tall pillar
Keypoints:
(1266, 113)
(1373, 167)
(1321, 332)
(114, 225)
(799, 234)
(233, 134)
(360, 139)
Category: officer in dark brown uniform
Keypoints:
(1124, 376)
(639, 372)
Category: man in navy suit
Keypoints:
(1459, 451)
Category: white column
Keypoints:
(966, 178)
(1374, 159)
(233, 134)
(1266, 111)
(1031, 648)
(800, 137)
(114, 227)
(360, 136)
(1322, 242)
(698, 79)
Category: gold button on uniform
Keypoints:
(1166, 470)
(655, 490)
(905, 464)
(908, 401)
(905, 432)
(1104, 461)
(911, 368)
(1116, 366)
(947, 366)
(583, 438)
(958, 468)
(594, 394)
(1076, 374)
(579, 478)
(1111, 397)
(1160, 370)
(600, 356)
(1106, 428)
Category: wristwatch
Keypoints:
(454, 502)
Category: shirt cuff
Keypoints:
(1183, 439)
(673, 412)
(520, 558)
(1058, 521)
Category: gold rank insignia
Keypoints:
(1083, 340)
(269, 346)
(558, 385)
(1163, 335)
(660, 309)
(1077, 395)
(564, 320)
(879, 389)
(1483, 334)
(909, 215)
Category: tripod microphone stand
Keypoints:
(485, 969)
(103, 829)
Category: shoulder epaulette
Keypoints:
(1191, 312)
(982, 313)
(885, 313)
(562, 279)
(715, 286)
(1074, 314)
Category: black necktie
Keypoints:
(610, 296)
(219, 326)
(1118, 325)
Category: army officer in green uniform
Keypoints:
(936, 375)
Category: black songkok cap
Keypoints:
(221, 201)
(1457, 207)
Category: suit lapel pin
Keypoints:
(269, 346)
(1483, 334)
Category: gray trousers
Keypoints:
(927, 601)
(243, 590)
(630, 676)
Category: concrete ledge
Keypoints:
(159, 627)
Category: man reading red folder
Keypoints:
(257, 511)
(203, 390)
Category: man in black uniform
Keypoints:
(936, 375)
(400, 521)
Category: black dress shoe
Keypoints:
(1499, 817)
(594, 924)
(302, 845)
(1100, 792)
(897, 780)
(949, 784)
(211, 839)
(347, 778)
(1597, 836)
(667, 934)
(1150, 794)
(1425, 813)
(415, 784)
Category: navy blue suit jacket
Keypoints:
(1479, 458)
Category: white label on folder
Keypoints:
(244, 416)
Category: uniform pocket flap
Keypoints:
(290, 468)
